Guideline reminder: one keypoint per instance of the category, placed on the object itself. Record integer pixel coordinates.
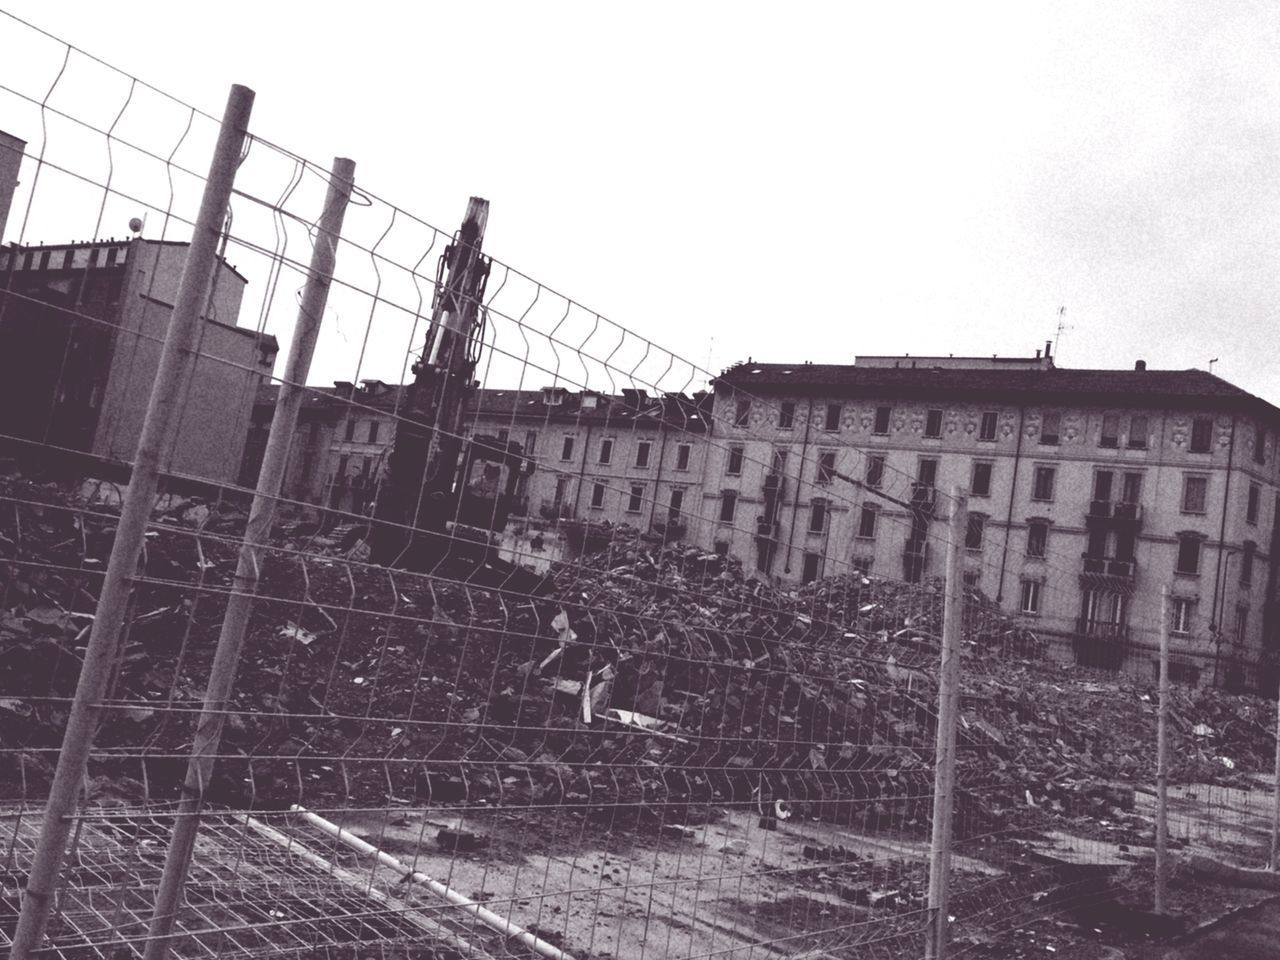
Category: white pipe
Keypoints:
(484, 915)
(404, 910)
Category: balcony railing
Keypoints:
(1114, 510)
(1100, 643)
(1110, 566)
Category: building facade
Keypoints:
(81, 331)
(1089, 491)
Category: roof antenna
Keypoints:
(1211, 363)
(1062, 325)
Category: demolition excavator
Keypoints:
(447, 496)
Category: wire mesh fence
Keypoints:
(526, 636)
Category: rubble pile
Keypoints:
(656, 680)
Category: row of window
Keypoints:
(636, 498)
(1136, 437)
(644, 452)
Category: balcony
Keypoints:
(767, 529)
(924, 497)
(1110, 567)
(1120, 512)
(1101, 644)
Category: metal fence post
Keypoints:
(1275, 800)
(135, 512)
(1162, 759)
(235, 622)
(944, 770)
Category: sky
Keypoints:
(786, 183)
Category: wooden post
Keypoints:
(1162, 760)
(944, 768)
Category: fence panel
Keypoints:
(606, 671)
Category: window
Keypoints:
(1194, 490)
(980, 481)
(1259, 444)
(881, 425)
(1137, 433)
(636, 498)
(597, 495)
(826, 466)
(682, 456)
(502, 437)
(1104, 607)
(530, 443)
(977, 523)
(1050, 424)
(787, 415)
(642, 453)
(1242, 621)
(778, 464)
(1131, 491)
(566, 449)
(1201, 434)
(987, 429)
(933, 423)
(875, 472)
(734, 468)
(351, 430)
(1110, 436)
(1042, 483)
(562, 487)
(728, 505)
(1181, 610)
(833, 416)
(342, 467)
(1031, 597)
(606, 450)
(817, 516)
(1102, 485)
(742, 413)
(811, 564)
(1251, 508)
(867, 522)
(677, 504)
(1246, 563)
(1037, 538)
(373, 431)
(927, 474)
(1188, 554)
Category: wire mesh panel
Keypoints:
(555, 643)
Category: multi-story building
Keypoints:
(626, 459)
(1089, 491)
(81, 330)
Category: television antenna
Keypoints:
(1062, 325)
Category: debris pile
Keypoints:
(657, 679)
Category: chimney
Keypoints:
(1140, 365)
(11, 150)
(1047, 345)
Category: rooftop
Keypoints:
(1177, 389)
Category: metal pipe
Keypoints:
(235, 622)
(944, 766)
(135, 513)
(1275, 799)
(408, 911)
(795, 502)
(1162, 759)
(484, 915)
(1013, 495)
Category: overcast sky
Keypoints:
(795, 182)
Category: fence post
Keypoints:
(1162, 759)
(135, 513)
(944, 770)
(235, 622)
(1275, 801)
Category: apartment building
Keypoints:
(1089, 491)
(622, 459)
